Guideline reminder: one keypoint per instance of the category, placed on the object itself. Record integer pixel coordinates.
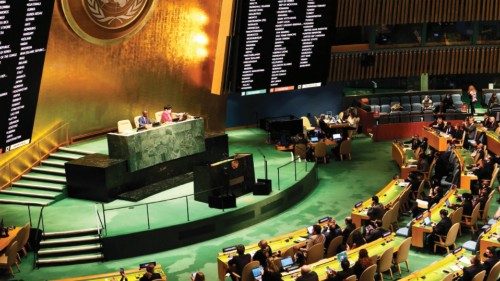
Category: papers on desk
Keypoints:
(412, 166)
(300, 239)
(403, 184)
(465, 261)
(455, 268)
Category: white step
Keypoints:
(69, 240)
(50, 178)
(89, 231)
(75, 150)
(40, 185)
(50, 170)
(69, 249)
(70, 259)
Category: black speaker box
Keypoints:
(222, 201)
(262, 187)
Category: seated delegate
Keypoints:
(144, 120)
(166, 116)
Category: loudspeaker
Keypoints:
(262, 187)
(222, 201)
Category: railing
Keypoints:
(348, 66)
(33, 154)
(40, 231)
(294, 162)
(169, 211)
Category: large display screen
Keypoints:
(284, 45)
(24, 31)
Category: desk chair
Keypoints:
(448, 240)
(394, 222)
(471, 221)
(404, 201)
(299, 150)
(480, 276)
(494, 273)
(385, 263)
(246, 274)
(306, 124)
(484, 213)
(320, 151)
(136, 121)
(10, 258)
(402, 255)
(315, 253)
(456, 217)
(345, 149)
(494, 176)
(124, 126)
(334, 245)
(158, 115)
(351, 278)
(449, 277)
(22, 239)
(351, 235)
(369, 273)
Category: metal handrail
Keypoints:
(33, 148)
(294, 161)
(37, 243)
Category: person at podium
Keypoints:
(144, 120)
(166, 116)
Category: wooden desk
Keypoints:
(493, 142)
(340, 126)
(401, 155)
(435, 271)
(465, 159)
(435, 140)
(280, 243)
(375, 248)
(131, 274)
(490, 238)
(6, 241)
(328, 142)
(387, 196)
(418, 231)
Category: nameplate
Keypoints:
(229, 249)
(357, 205)
(457, 250)
(386, 234)
(325, 219)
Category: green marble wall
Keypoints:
(160, 144)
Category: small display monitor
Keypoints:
(427, 221)
(342, 256)
(314, 139)
(337, 136)
(448, 204)
(257, 272)
(286, 262)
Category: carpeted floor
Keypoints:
(341, 185)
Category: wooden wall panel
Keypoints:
(401, 63)
(377, 12)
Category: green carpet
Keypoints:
(341, 185)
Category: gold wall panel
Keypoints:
(170, 61)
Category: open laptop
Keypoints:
(427, 221)
(314, 139)
(288, 265)
(257, 273)
(337, 137)
(342, 256)
(448, 204)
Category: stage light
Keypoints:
(199, 17)
(200, 39)
(201, 52)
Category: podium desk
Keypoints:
(438, 270)
(437, 140)
(419, 230)
(490, 238)
(387, 196)
(160, 144)
(375, 248)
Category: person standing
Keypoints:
(473, 98)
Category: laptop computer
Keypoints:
(287, 264)
(314, 139)
(427, 221)
(447, 203)
(342, 256)
(337, 137)
(257, 273)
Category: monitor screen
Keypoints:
(341, 256)
(310, 229)
(257, 272)
(314, 139)
(427, 221)
(286, 262)
(337, 136)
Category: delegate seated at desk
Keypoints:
(144, 120)
(166, 116)
(237, 263)
(439, 229)
(438, 124)
(150, 274)
(376, 211)
(472, 270)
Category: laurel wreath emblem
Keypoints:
(97, 12)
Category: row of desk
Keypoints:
(131, 274)
(452, 263)
(403, 157)
(6, 241)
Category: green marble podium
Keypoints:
(159, 144)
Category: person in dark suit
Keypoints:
(376, 233)
(471, 271)
(438, 124)
(144, 119)
(440, 229)
(237, 263)
(491, 259)
(362, 263)
(349, 227)
(376, 211)
(306, 274)
(341, 275)
(331, 231)
(467, 204)
(150, 274)
(263, 253)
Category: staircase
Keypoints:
(45, 183)
(69, 247)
